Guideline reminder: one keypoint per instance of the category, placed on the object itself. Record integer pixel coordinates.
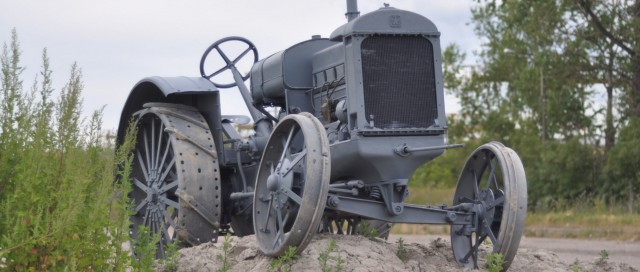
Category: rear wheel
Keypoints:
(175, 176)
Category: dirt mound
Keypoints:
(357, 253)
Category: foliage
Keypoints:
(604, 257)
(224, 257)
(172, 257)
(401, 252)
(145, 249)
(61, 209)
(495, 262)
(575, 266)
(325, 257)
(284, 262)
(621, 171)
(365, 229)
(554, 79)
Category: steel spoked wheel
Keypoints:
(292, 185)
(493, 185)
(164, 171)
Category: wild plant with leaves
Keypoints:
(60, 208)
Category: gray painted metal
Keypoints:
(286, 70)
(352, 10)
(386, 20)
(493, 185)
(291, 186)
(412, 214)
(162, 89)
(176, 178)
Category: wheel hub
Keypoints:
(273, 182)
(483, 209)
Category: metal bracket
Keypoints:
(393, 193)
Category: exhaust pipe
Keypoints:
(352, 10)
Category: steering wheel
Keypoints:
(230, 64)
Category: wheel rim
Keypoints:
(292, 185)
(155, 182)
(493, 185)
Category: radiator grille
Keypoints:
(399, 82)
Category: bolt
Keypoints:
(333, 201)
(450, 217)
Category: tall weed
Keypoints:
(60, 208)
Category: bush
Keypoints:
(621, 171)
(61, 209)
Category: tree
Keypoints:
(622, 32)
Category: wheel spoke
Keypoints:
(293, 196)
(166, 171)
(146, 151)
(268, 214)
(146, 216)
(285, 148)
(218, 72)
(140, 185)
(152, 164)
(157, 166)
(141, 205)
(295, 162)
(164, 156)
(168, 187)
(280, 232)
(497, 201)
(169, 202)
(224, 57)
(169, 219)
(473, 251)
(142, 166)
(487, 229)
(475, 185)
(165, 230)
(492, 177)
(242, 55)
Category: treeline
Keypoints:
(60, 209)
(559, 82)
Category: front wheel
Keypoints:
(292, 185)
(493, 185)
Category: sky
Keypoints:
(117, 43)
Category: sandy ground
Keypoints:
(424, 253)
(567, 250)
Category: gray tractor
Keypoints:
(339, 126)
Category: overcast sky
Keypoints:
(117, 42)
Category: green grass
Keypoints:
(284, 262)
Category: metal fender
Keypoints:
(192, 91)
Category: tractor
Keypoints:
(338, 126)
